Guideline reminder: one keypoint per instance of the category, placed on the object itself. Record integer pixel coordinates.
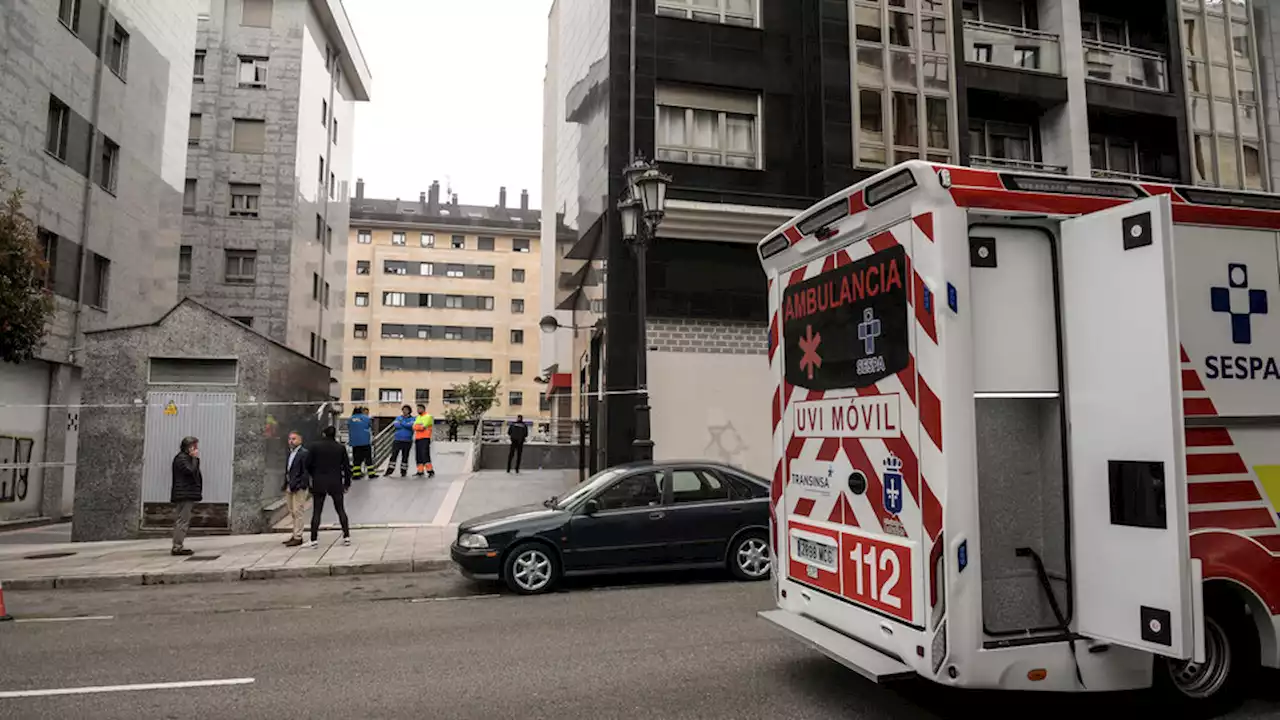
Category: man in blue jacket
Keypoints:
(402, 441)
(361, 441)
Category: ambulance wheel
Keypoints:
(749, 556)
(1231, 659)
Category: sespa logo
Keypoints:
(813, 481)
(1241, 304)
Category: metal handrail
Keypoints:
(1126, 50)
(991, 161)
(1011, 30)
(1117, 175)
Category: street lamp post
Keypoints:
(641, 211)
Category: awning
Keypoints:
(720, 222)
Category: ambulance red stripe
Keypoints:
(1215, 464)
(1242, 519)
(924, 317)
(930, 412)
(1270, 542)
(1191, 381)
(793, 235)
(925, 223)
(1208, 437)
(1220, 492)
(931, 509)
(829, 450)
(804, 506)
(875, 488)
(1198, 407)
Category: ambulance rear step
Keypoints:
(862, 659)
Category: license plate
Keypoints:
(819, 553)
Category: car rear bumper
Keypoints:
(481, 564)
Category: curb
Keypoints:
(118, 580)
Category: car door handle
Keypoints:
(657, 515)
(735, 509)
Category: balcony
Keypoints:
(1012, 47)
(997, 163)
(1137, 177)
(1128, 66)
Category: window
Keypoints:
(515, 398)
(397, 238)
(97, 282)
(245, 320)
(517, 367)
(359, 362)
(360, 331)
(517, 275)
(56, 131)
(517, 306)
(520, 245)
(108, 165)
(319, 227)
(390, 396)
(517, 337)
(634, 491)
(325, 298)
(333, 185)
(728, 12)
(189, 196)
(395, 267)
(315, 346)
(184, 263)
(484, 243)
(453, 333)
(362, 299)
(428, 240)
(320, 177)
(393, 299)
(362, 267)
(335, 131)
(1001, 141)
(453, 301)
(485, 303)
(705, 128)
(253, 72)
(197, 68)
(357, 394)
(255, 13)
(195, 129)
(364, 237)
(392, 331)
(485, 272)
(241, 266)
(422, 395)
(324, 112)
(544, 402)
(459, 242)
(118, 50)
(454, 270)
(690, 486)
(69, 14)
(249, 136)
(426, 269)
(484, 334)
(191, 371)
(244, 200)
(450, 397)
(597, 306)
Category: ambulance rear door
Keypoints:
(1129, 543)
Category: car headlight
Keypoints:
(472, 541)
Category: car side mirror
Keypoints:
(592, 507)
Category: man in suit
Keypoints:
(330, 470)
(297, 485)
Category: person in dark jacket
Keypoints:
(401, 441)
(187, 490)
(453, 429)
(518, 432)
(330, 470)
(360, 439)
(297, 486)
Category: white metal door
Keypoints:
(1129, 542)
(171, 416)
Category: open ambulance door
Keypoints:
(1129, 543)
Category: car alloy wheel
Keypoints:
(753, 557)
(532, 569)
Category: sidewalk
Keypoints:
(378, 549)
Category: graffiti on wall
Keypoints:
(14, 481)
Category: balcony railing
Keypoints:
(995, 163)
(1117, 175)
(1124, 65)
(1012, 47)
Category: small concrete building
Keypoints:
(192, 372)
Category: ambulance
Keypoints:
(1027, 432)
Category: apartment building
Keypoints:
(94, 103)
(439, 293)
(270, 139)
(759, 108)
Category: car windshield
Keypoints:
(587, 488)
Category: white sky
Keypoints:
(456, 97)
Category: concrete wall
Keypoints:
(709, 390)
(108, 500)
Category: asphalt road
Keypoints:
(433, 645)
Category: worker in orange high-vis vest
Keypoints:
(422, 426)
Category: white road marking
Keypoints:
(65, 619)
(450, 502)
(123, 688)
(455, 597)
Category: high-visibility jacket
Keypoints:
(422, 426)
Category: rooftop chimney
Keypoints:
(454, 200)
(502, 198)
(433, 198)
(524, 199)
(360, 189)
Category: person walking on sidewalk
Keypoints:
(330, 471)
(187, 490)
(297, 486)
(401, 441)
(518, 432)
(361, 440)
(423, 426)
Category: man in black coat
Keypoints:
(330, 470)
(297, 484)
(518, 432)
(187, 490)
